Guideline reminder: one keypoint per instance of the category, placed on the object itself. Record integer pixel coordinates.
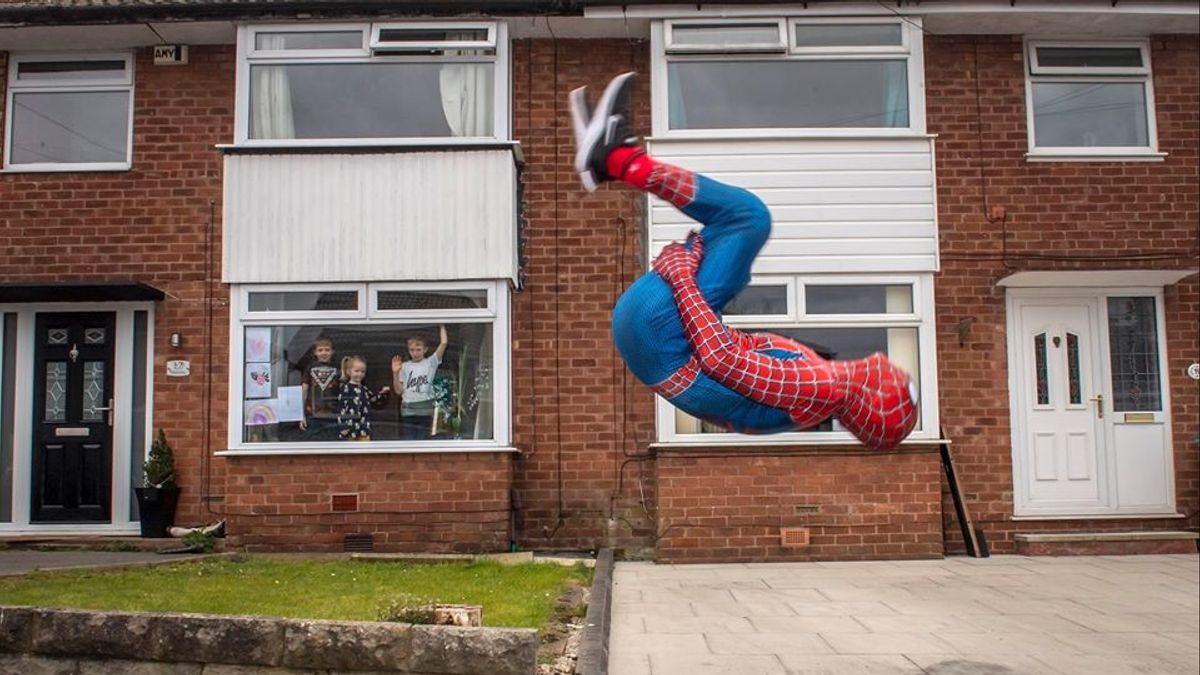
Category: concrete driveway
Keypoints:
(1005, 614)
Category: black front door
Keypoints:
(72, 417)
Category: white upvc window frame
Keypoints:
(80, 85)
(922, 319)
(1037, 73)
(378, 47)
(911, 49)
(248, 55)
(671, 46)
(497, 314)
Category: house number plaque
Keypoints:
(179, 368)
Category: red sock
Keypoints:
(631, 165)
(634, 167)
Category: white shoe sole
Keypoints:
(588, 133)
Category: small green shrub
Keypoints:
(159, 469)
(204, 540)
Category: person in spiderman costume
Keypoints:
(667, 325)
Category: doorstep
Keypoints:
(1106, 543)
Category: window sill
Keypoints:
(68, 168)
(370, 145)
(349, 448)
(786, 135)
(1099, 516)
(753, 444)
(1110, 157)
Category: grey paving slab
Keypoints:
(716, 664)
(981, 664)
(20, 561)
(768, 643)
(848, 664)
(959, 616)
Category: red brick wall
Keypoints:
(580, 418)
(1084, 209)
(717, 506)
(450, 503)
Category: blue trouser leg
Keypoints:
(646, 325)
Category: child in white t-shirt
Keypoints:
(413, 380)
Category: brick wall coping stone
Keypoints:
(1051, 537)
(593, 644)
(258, 643)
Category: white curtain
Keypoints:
(466, 90)
(272, 96)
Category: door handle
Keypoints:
(108, 409)
(1099, 399)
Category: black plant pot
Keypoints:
(157, 509)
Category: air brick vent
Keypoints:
(358, 543)
(793, 537)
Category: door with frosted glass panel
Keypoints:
(1061, 465)
(72, 417)
(1137, 426)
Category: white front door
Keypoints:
(1063, 450)
(1089, 420)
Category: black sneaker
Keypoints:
(598, 132)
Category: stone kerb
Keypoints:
(49, 638)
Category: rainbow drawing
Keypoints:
(259, 413)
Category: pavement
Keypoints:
(1092, 615)
(23, 561)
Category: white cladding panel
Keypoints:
(402, 216)
(837, 205)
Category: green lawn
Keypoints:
(514, 595)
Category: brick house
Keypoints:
(195, 194)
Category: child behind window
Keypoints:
(414, 380)
(355, 401)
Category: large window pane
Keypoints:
(64, 127)
(843, 344)
(787, 94)
(293, 383)
(1133, 347)
(371, 100)
(1090, 114)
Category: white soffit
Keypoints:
(1090, 278)
(958, 17)
(123, 36)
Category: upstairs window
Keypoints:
(372, 82)
(837, 77)
(1090, 99)
(69, 112)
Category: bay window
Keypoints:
(839, 317)
(293, 347)
(353, 83)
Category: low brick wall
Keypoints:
(36, 640)
(720, 506)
